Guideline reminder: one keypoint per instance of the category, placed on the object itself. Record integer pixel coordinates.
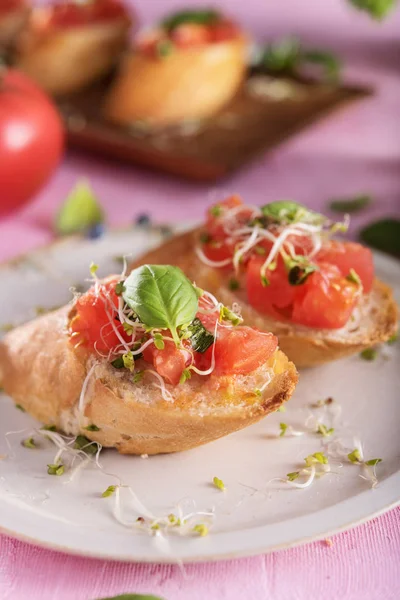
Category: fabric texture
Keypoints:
(354, 151)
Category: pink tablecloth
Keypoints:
(355, 151)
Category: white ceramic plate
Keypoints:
(253, 515)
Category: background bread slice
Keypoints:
(375, 320)
(42, 372)
(188, 84)
(64, 61)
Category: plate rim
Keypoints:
(366, 511)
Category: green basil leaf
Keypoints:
(161, 296)
(201, 17)
(329, 63)
(383, 235)
(201, 339)
(80, 210)
(375, 8)
(286, 211)
(281, 56)
(350, 205)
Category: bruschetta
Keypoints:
(290, 275)
(67, 46)
(147, 364)
(186, 68)
(13, 16)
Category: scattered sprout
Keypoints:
(119, 288)
(283, 427)
(138, 376)
(128, 360)
(55, 469)
(186, 374)
(373, 461)
(158, 341)
(216, 210)
(292, 476)
(109, 491)
(234, 284)
(353, 277)
(226, 314)
(219, 484)
(49, 428)
(355, 456)
(19, 407)
(257, 392)
(201, 529)
(282, 408)
(324, 431)
(317, 457)
(29, 443)
(83, 443)
(369, 354)
(93, 268)
(173, 519)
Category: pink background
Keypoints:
(357, 150)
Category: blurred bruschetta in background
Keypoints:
(186, 68)
(13, 16)
(69, 45)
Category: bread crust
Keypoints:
(188, 84)
(305, 346)
(41, 371)
(65, 61)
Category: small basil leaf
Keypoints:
(383, 235)
(201, 339)
(161, 296)
(286, 211)
(326, 60)
(350, 205)
(375, 8)
(80, 210)
(201, 17)
(281, 56)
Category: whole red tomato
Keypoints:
(31, 139)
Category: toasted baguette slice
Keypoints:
(64, 61)
(188, 84)
(11, 23)
(374, 321)
(43, 373)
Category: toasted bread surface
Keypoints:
(188, 84)
(374, 321)
(41, 371)
(64, 61)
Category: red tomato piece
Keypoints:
(349, 255)
(168, 362)
(214, 224)
(10, 5)
(224, 31)
(91, 327)
(275, 299)
(72, 14)
(325, 300)
(190, 34)
(218, 250)
(31, 140)
(240, 350)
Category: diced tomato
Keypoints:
(218, 250)
(190, 34)
(71, 14)
(168, 362)
(240, 350)
(275, 299)
(349, 255)
(91, 326)
(325, 300)
(223, 31)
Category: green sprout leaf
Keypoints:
(128, 360)
(201, 529)
(383, 235)
(55, 469)
(158, 341)
(49, 428)
(328, 62)
(317, 457)
(138, 376)
(92, 428)
(377, 9)
(355, 456)
(83, 443)
(324, 431)
(285, 212)
(29, 443)
(353, 277)
(186, 374)
(109, 491)
(200, 338)
(225, 314)
(292, 476)
(80, 211)
(93, 269)
(219, 484)
(369, 354)
(19, 407)
(119, 288)
(298, 274)
(162, 297)
(373, 461)
(350, 205)
(283, 427)
(201, 17)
